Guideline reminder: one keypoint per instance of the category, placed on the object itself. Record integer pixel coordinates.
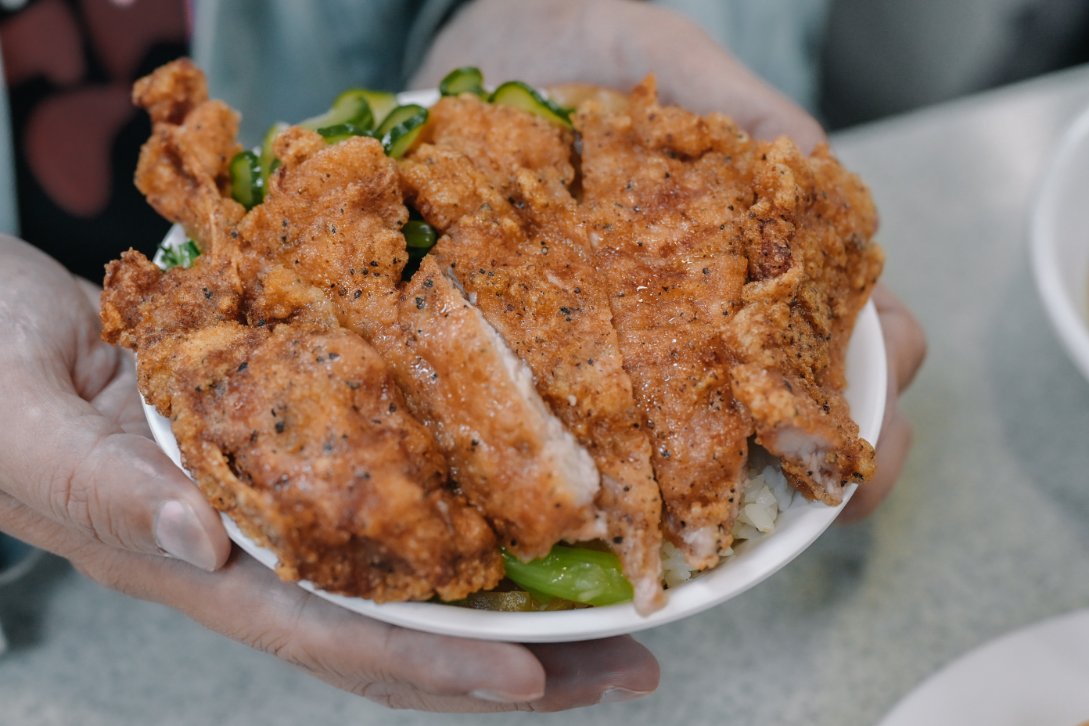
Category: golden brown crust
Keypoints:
(300, 434)
(738, 268)
(183, 167)
(503, 211)
(663, 202)
(608, 318)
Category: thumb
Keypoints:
(71, 464)
(63, 450)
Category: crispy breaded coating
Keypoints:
(813, 266)
(328, 236)
(183, 167)
(510, 455)
(300, 435)
(327, 239)
(796, 236)
(612, 314)
(540, 291)
(663, 231)
(501, 141)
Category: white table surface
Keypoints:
(988, 530)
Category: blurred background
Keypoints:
(882, 57)
(852, 61)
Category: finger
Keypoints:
(69, 463)
(247, 602)
(63, 457)
(905, 341)
(895, 443)
(596, 671)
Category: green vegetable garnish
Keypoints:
(339, 132)
(350, 107)
(180, 256)
(526, 97)
(578, 574)
(419, 236)
(247, 182)
(463, 80)
(268, 160)
(401, 128)
(381, 102)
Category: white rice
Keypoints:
(765, 494)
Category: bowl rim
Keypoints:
(1069, 324)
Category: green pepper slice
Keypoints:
(467, 79)
(523, 96)
(401, 128)
(577, 574)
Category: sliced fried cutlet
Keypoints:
(813, 265)
(511, 456)
(300, 434)
(543, 297)
(183, 167)
(663, 229)
(328, 234)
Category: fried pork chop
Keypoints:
(785, 242)
(328, 235)
(812, 268)
(608, 319)
(663, 231)
(182, 169)
(540, 291)
(300, 434)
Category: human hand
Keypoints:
(615, 43)
(80, 477)
(905, 349)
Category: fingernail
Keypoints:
(615, 694)
(179, 535)
(485, 694)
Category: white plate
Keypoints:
(1037, 676)
(1060, 241)
(798, 526)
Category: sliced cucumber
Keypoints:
(247, 183)
(339, 132)
(521, 95)
(419, 235)
(181, 256)
(401, 128)
(268, 160)
(463, 80)
(382, 102)
(350, 107)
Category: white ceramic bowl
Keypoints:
(1060, 241)
(798, 526)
